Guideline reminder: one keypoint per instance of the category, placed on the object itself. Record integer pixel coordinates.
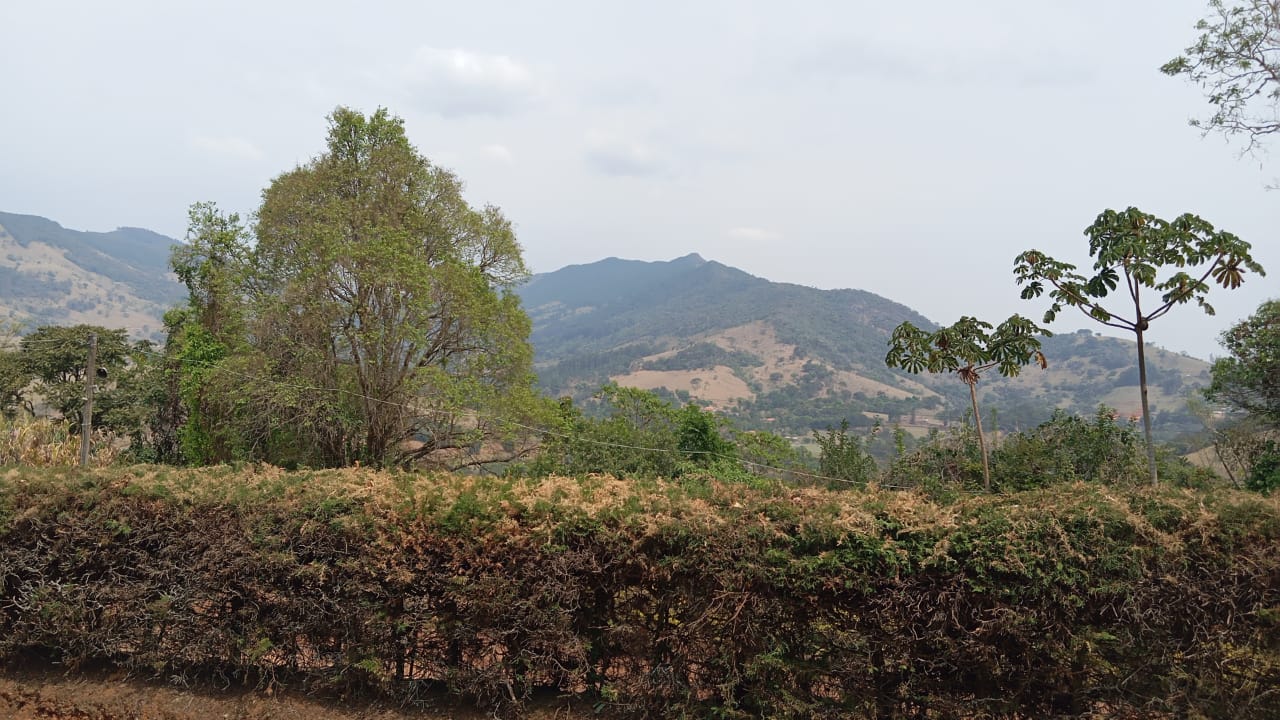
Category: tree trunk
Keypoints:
(1146, 408)
(982, 443)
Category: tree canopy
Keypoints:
(1236, 60)
(968, 348)
(373, 321)
(1135, 247)
(1248, 379)
(55, 357)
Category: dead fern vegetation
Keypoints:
(651, 598)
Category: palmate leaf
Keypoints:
(969, 345)
(1098, 285)
(1182, 288)
(1229, 275)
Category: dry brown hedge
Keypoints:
(654, 599)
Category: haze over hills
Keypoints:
(50, 275)
(771, 355)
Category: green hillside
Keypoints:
(52, 275)
(771, 355)
(793, 358)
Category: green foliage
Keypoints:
(1068, 448)
(390, 294)
(943, 465)
(968, 348)
(842, 456)
(639, 435)
(57, 355)
(214, 264)
(1264, 477)
(657, 599)
(758, 448)
(373, 320)
(1134, 246)
(700, 436)
(15, 376)
(635, 436)
(634, 433)
(1248, 379)
(207, 436)
(56, 358)
(127, 401)
(1235, 61)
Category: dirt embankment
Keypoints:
(47, 694)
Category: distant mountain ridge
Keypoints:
(52, 275)
(771, 355)
(690, 296)
(794, 358)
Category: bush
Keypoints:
(943, 465)
(1264, 477)
(1069, 448)
(658, 599)
(843, 458)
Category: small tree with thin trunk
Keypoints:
(968, 348)
(1135, 246)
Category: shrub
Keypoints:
(1067, 448)
(943, 465)
(691, 598)
(1264, 477)
(843, 457)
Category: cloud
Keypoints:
(499, 152)
(624, 157)
(848, 58)
(460, 83)
(753, 234)
(226, 147)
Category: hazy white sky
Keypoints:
(909, 149)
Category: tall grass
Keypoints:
(42, 442)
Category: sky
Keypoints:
(908, 149)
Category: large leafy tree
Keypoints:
(1248, 379)
(1236, 60)
(374, 320)
(56, 358)
(1133, 247)
(968, 348)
